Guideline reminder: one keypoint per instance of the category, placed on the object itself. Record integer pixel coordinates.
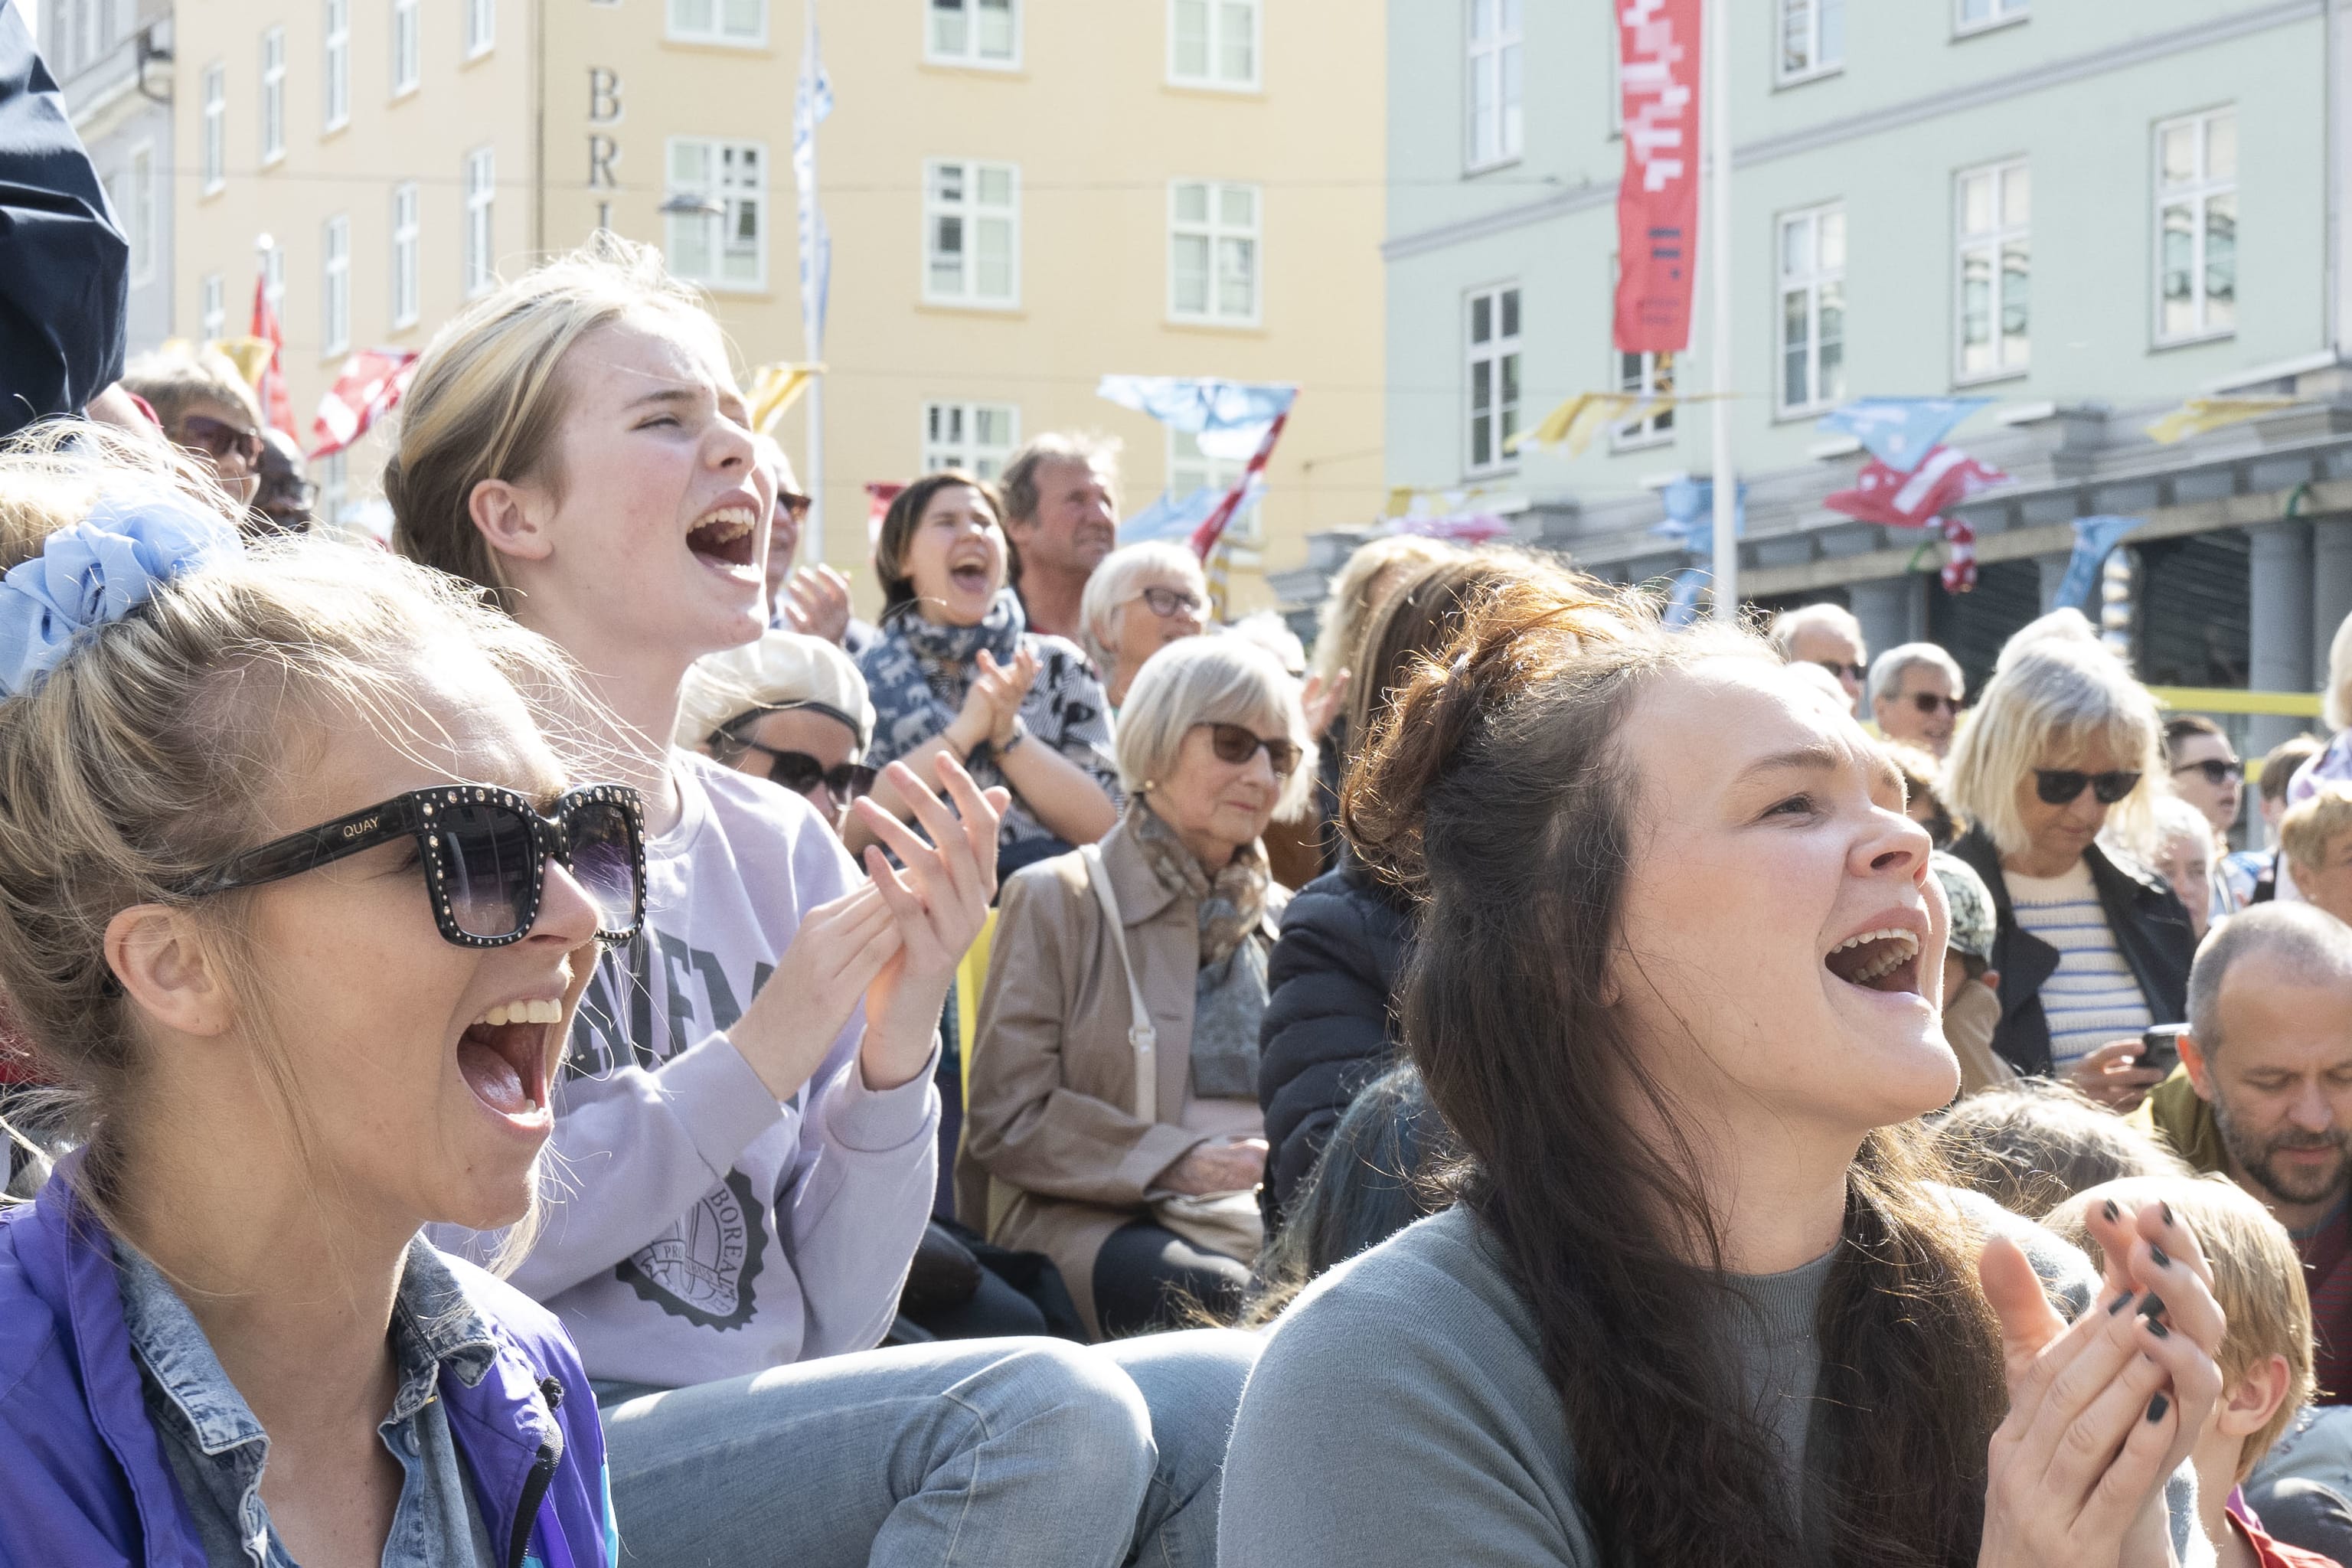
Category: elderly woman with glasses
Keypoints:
(1140, 599)
(2093, 947)
(1112, 1121)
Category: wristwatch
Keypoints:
(1020, 733)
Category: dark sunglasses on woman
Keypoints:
(795, 504)
(2217, 772)
(218, 438)
(2063, 786)
(1930, 703)
(800, 773)
(484, 853)
(1237, 743)
(1849, 671)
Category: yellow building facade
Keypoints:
(1023, 196)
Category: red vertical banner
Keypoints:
(1657, 198)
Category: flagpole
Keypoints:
(812, 310)
(1717, 68)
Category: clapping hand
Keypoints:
(816, 603)
(1007, 688)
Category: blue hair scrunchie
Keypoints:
(94, 571)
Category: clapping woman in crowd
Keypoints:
(1674, 994)
(298, 901)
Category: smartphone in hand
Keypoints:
(2159, 1048)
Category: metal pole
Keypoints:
(812, 318)
(1717, 68)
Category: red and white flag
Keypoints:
(371, 386)
(1212, 527)
(1657, 195)
(1945, 477)
(277, 406)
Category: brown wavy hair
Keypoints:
(1493, 787)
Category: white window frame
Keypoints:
(951, 437)
(335, 89)
(408, 275)
(1498, 355)
(717, 32)
(139, 211)
(1991, 246)
(407, 46)
(1217, 232)
(1644, 375)
(2196, 193)
(215, 137)
(481, 27)
(1500, 53)
(1810, 17)
(478, 262)
(1999, 13)
(335, 286)
(273, 95)
(722, 159)
(1213, 80)
(1810, 282)
(212, 308)
(970, 56)
(971, 214)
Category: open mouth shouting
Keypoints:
(725, 538)
(972, 569)
(504, 1055)
(1884, 959)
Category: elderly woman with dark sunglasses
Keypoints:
(2093, 947)
(1112, 1121)
(790, 708)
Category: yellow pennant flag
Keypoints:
(2199, 415)
(1576, 422)
(776, 387)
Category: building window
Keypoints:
(1645, 375)
(1214, 43)
(2197, 226)
(336, 91)
(1494, 87)
(405, 276)
(215, 133)
(1812, 309)
(211, 312)
(719, 21)
(482, 186)
(481, 26)
(1494, 377)
(1212, 253)
(973, 32)
(727, 247)
(1976, 15)
(138, 212)
(977, 438)
(273, 94)
(1996, 270)
(407, 46)
(335, 286)
(972, 233)
(1813, 38)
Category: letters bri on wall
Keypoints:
(1657, 199)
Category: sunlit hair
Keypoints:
(1887, 670)
(2314, 822)
(2031, 1145)
(173, 379)
(2302, 943)
(905, 516)
(2065, 625)
(2258, 1282)
(1018, 484)
(1496, 789)
(153, 750)
(1212, 680)
(1112, 591)
(1789, 625)
(1416, 620)
(2047, 706)
(1922, 775)
(2281, 764)
(491, 393)
(2171, 817)
(1348, 603)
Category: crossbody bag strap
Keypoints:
(1140, 1034)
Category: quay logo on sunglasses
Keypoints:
(2063, 786)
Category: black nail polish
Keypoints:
(2152, 1307)
(2157, 1406)
(2159, 1254)
(2165, 1209)
(2119, 1303)
(2113, 1212)
(2159, 1329)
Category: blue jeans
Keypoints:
(979, 1451)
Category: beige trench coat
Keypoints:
(1050, 1111)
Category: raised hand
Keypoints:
(817, 603)
(824, 972)
(1321, 703)
(1007, 686)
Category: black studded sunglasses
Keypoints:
(484, 851)
(2063, 786)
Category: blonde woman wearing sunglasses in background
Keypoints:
(1070, 1150)
(2057, 767)
(206, 410)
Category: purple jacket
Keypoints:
(83, 1480)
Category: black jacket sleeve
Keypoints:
(64, 267)
(1328, 1029)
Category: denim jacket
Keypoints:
(85, 1480)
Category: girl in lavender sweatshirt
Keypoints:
(746, 1125)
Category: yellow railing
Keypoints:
(2226, 700)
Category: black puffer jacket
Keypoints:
(1329, 1028)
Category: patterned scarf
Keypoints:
(1229, 992)
(1231, 905)
(918, 674)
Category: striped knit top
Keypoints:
(2091, 998)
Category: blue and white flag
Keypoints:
(1690, 514)
(1682, 599)
(1171, 518)
(1899, 431)
(811, 102)
(2093, 538)
(1230, 417)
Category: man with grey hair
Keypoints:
(1826, 634)
(1915, 695)
(1061, 515)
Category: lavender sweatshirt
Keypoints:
(697, 1229)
